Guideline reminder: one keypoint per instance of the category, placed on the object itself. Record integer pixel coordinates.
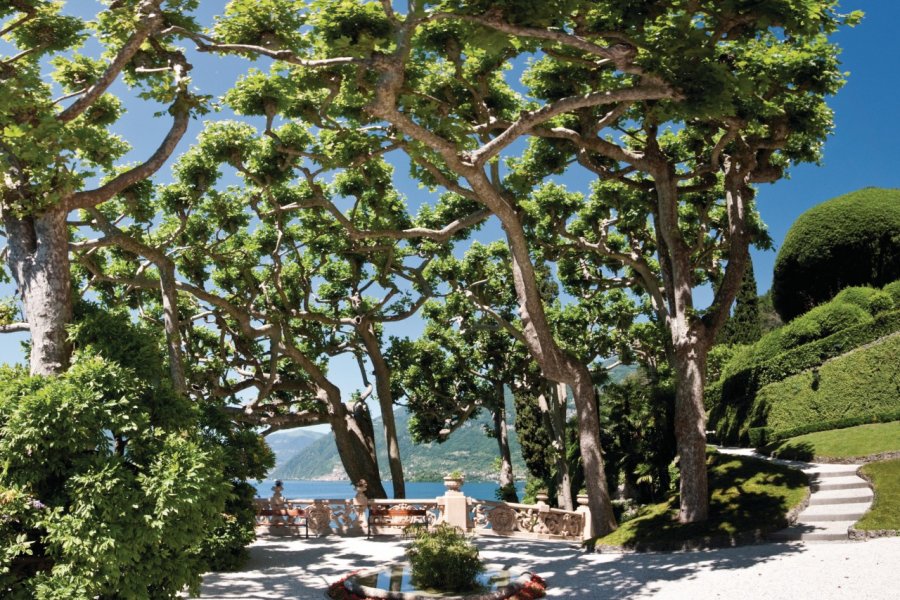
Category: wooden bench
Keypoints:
(396, 517)
(291, 518)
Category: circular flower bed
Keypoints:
(533, 587)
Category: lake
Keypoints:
(314, 490)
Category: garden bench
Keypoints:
(396, 518)
(291, 518)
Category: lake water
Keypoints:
(314, 490)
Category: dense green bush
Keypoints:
(860, 387)
(112, 485)
(638, 436)
(443, 559)
(893, 289)
(850, 240)
(121, 484)
(730, 399)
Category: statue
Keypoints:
(277, 498)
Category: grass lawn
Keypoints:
(863, 440)
(885, 512)
(747, 495)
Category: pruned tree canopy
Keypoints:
(849, 240)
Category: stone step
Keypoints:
(817, 474)
(840, 483)
(830, 517)
(791, 535)
(822, 532)
(833, 497)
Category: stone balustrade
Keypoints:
(360, 516)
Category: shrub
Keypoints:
(444, 559)
(893, 289)
(858, 385)
(126, 485)
(846, 241)
(730, 400)
(821, 322)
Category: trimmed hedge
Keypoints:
(861, 387)
(850, 240)
(730, 400)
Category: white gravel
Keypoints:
(282, 568)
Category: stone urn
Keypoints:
(582, 499)
(453, 482)
(542, 497)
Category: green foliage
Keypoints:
(638, 435)
(862, 384)
(749, 497)
(885, 511)
(444, 560)
(126, 480)
(744, 325)
(730, 399)
(850, 240)
(131, 489)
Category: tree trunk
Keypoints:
(553, 407)
(172, 326)
(507, 479)
(39, 261)
(690, 432)
(558, 417)
(585, 396)
(386, 402)
(355, 440)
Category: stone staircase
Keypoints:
(839, 497)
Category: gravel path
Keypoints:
(282, 568)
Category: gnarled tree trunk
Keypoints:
(501, 433)
(39, 261)
(690, 433)
(386, 402)
(355, 440)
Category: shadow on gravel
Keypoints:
(572, 573)
(302, 569)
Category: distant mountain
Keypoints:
(467, 449)
(288, 443)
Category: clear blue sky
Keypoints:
(864, 151)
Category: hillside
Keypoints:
(288, 443)
(468, 450)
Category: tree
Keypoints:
(850, 240)
(465, 359)
(272, 267)
(672, 205)
(51, 147)
(677, 109)
(744, 326)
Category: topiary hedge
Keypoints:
(861, 387)
(850, 240)
(729, 401)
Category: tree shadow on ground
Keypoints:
(298, 568)
(303, 569)
(572, 573)
(791, 450)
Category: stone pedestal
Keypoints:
(456, 509)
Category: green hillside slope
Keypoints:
(468, 449)
(288, 443)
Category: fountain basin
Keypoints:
(395, 583)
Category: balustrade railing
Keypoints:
(525, 520)
(361, 516)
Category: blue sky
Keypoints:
(863, 152)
